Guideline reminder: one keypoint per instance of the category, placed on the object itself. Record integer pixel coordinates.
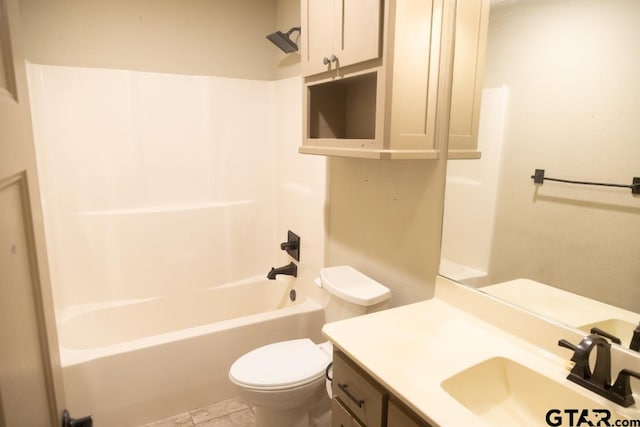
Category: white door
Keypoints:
(30, 381)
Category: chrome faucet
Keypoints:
(290, 269)
(599, 381)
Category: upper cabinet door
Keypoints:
(338, 33)
(357, 37)
(472, 23)
(317, 35)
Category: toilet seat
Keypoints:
(279, 366)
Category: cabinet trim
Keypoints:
(370, 154)
(464, 154)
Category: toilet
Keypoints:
(285, 381)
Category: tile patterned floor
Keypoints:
(227, 413)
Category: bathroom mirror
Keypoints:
(561, 93)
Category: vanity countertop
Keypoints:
(412, 349)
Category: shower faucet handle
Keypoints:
(67, 421)
(292, 245)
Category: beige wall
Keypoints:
(572, 68)
(208, 37)
(288, 16)
(385, 219)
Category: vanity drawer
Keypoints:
(353, 388)
(340, 417)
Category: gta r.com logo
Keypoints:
(585, 418)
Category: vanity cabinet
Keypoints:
(386, 93)
(360, 401)
(339, 33)
(356, 392)
(400, 416)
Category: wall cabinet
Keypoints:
(472, 22)
(339, 33)
(385, 95)
(359, 401)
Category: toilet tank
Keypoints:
(349, 293)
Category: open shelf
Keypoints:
(343, 109)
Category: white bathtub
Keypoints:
(461, 273)
(128, 363)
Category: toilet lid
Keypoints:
(284, 364)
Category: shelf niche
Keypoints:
(343, 109)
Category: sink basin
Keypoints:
(622, 329)
(503, 392)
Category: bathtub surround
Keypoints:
(160, 185)
(164, 171)
(153, 183)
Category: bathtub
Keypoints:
(461, 273)
(131, 362)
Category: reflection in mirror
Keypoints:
(7, 77)
(3, 30)
(561, 93)
(3, 79)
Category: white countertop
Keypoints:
(412, 349)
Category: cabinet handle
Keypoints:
(345, 388)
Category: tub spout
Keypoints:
(290, 269)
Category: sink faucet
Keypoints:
(290, 269)
(635, 340)
(599, 381)
(581, 372)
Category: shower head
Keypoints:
(283, 41)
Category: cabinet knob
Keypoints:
(329, 60)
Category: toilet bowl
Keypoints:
(286, 381)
